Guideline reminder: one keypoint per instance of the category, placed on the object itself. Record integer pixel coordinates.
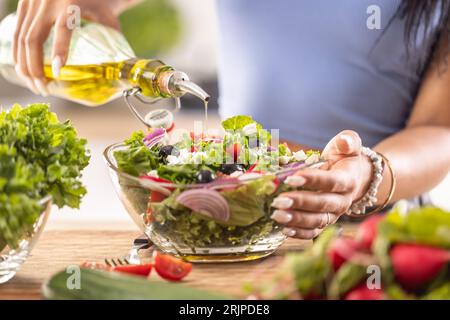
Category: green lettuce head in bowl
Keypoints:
(41, 160)
(206, 198)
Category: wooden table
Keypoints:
(58, 249)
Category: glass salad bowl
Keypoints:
(222, 221)
(11, 259)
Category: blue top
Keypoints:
(313, 68)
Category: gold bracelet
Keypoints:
(393, 183)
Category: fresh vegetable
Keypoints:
(139, 269)
(229, 168)
(156, 196)
(168, 150)
(341, 250)
(154, 137)
(169, 267)
(207, 202)
(409, 259)
(234, 151)
(367, 231)
(205, 176)
(101, 285)
(416, 265)
(362, 292)
(39, 156)
(137, 159)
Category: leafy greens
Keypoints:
(39, 156)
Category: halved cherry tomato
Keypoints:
(234, 150)
(156, 196)
(142, 270)
(169, 267)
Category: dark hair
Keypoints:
(420, 17)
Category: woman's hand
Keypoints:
(35, 18)
(330, 191)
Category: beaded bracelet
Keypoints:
(370, 198)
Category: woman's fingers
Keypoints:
(302, 219)
(61, 44)
(35, 38)
(345, 143)
(22, 8)
(22, 64)
(322, 180)
(299, 233)
(312, 201)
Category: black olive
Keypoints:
(229, 168)
(205, 176)
(168, 150)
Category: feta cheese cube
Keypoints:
(300, 155)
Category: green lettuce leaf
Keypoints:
(249, 202)
(427, 225)
(39, 156)
(238, 122)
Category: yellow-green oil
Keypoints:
(94, 85)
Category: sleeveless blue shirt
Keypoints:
(314, 68)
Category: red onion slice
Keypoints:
(207, 202)
(154, 137)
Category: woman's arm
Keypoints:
(419, 155)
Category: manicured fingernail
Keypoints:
(281, 216)
(19, 71)
(282, 202)
(56, 66)
(41, 86)
(31, 86)
(347, 139)
(289, 232)
(295, 181)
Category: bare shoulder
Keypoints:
(432, 106)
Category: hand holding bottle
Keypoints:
(35, 20)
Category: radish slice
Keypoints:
(154, 137)
(207, 202)
(153, 183)
(252, 167)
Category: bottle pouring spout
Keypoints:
(188, 86)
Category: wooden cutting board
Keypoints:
(60, 248)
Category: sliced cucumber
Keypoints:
(103, 285)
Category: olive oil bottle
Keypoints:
(101, 65)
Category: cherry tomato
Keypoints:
(156, 196)
(234, 150)
(158, 179)
(169, 267)
(142, 270)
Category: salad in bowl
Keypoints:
(206, 198)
